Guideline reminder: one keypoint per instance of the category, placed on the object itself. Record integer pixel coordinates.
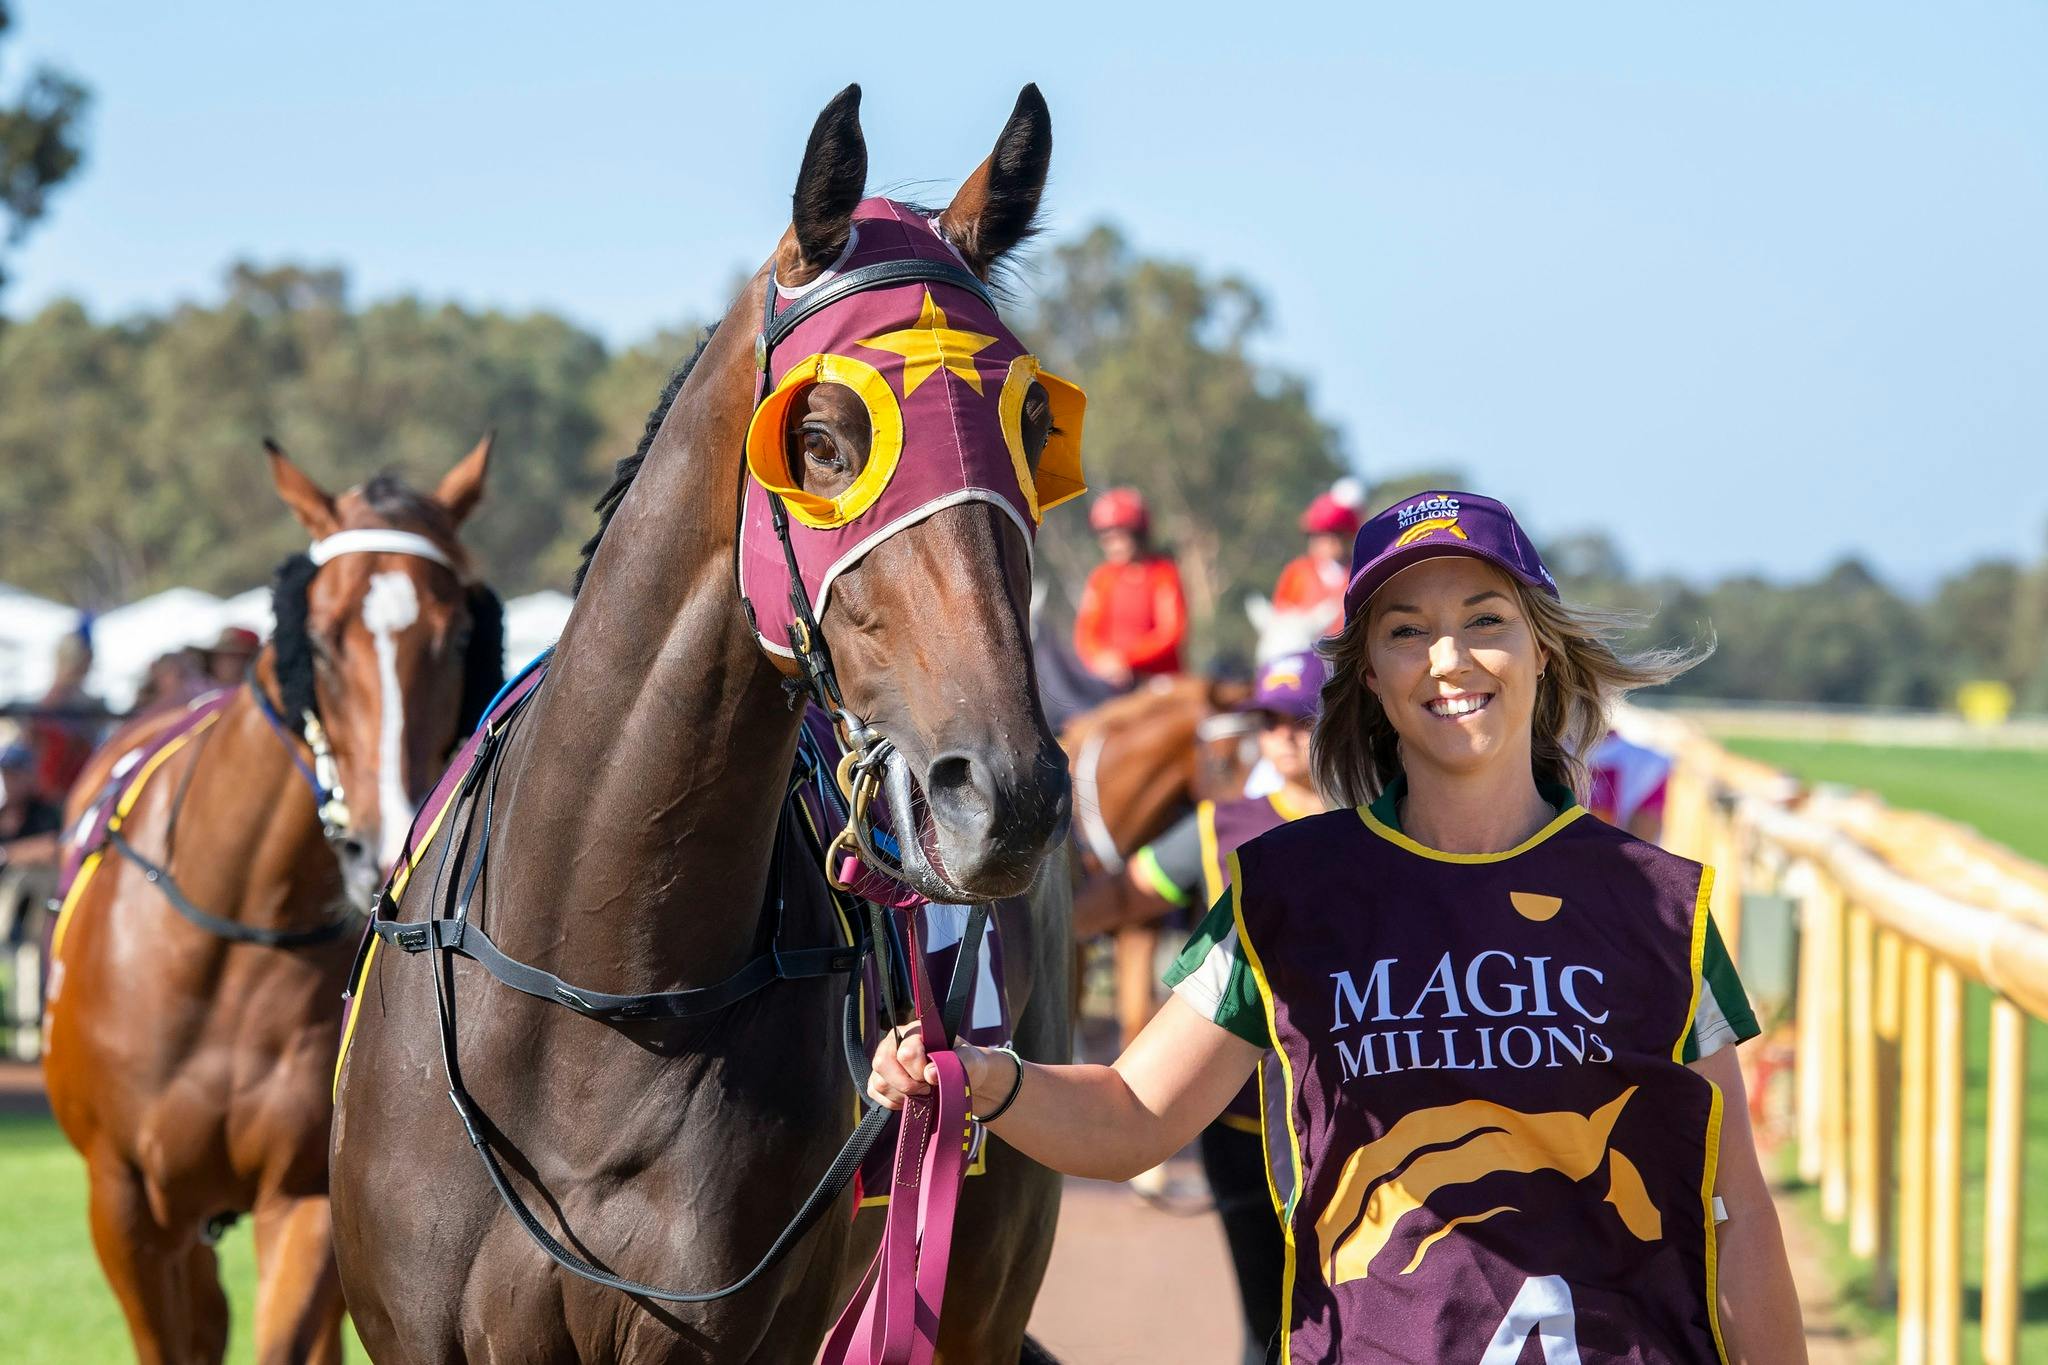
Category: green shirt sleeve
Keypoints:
(1212, 976)
(1724, 1016)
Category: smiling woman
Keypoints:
(1506, 1103)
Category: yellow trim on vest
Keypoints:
(1213, 880)
(768, 458)
(1258, 969)
(1240, 1123)
(1266, 1135)
(123, 804)
(1289, 810)
(1713, 1235)
(1397, 838)
(1697, 958)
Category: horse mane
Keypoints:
(291, 645)
(483, 664)
(627, 469)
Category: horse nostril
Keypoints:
(955, 790)
(353, 849)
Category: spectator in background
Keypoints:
(28, 823)
(67, 722)
(1313, 583)
(228, 660)
(174, 679)
(1132, 618)
(1628, 786)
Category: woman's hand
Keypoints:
(902, 1069)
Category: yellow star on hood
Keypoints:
(931, 344)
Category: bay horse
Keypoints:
(198, 962)
(1141, 761)
(625, 834)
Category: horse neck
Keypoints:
(244, 814)
(645, 786)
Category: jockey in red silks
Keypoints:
(1132, 618)
(1314, 582)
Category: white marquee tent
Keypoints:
(127, 639)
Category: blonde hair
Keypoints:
(1356, 753)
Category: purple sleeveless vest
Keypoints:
(1501, 1159)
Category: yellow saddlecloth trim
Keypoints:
(1696, 957)
(1396, 837)
(1258, 970)
(1713, 1169)
(768, 458)
(123, 804)
(1213, 880)
(1240, 1123)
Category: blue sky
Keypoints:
(1750, 286)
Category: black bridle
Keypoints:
(452, 932)
(867, 751)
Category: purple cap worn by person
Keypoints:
(1432, 525)
(1290, 685)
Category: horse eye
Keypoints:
(820, 449)
(1037, 423)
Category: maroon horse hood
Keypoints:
(944, 383)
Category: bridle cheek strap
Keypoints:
(335, 819)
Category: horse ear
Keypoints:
(310, 503)
(995, 209)
(834, 175)
(463, 485)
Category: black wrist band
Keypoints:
(1015, 1086)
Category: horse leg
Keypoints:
(1137, 998)
(170, 1293)
(298, 1292)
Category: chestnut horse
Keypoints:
(190, 1063)
(1141, 761)
(626, 831)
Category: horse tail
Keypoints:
(1034, 1354)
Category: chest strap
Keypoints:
(468, 940)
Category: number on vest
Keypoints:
(1544, 1306)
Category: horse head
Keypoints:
(915, 443)
(385, 650)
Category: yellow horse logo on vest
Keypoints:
(1459, 1144)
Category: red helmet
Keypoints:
(1328, 515)
(1120, 509)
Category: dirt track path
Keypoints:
(1130, 1284)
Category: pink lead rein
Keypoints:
(893, 1317)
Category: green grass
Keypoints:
(2002, 793)
(55, 1306)
(2005, 796)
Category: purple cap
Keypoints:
(1432, 525)
(1290, 685)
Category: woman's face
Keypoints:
(1284, 743)
(1454, 663)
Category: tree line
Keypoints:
(131, 461)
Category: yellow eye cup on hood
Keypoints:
(768, 450)
(1059, 477)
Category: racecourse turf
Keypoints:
(2004, 794)
(55, 1308)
